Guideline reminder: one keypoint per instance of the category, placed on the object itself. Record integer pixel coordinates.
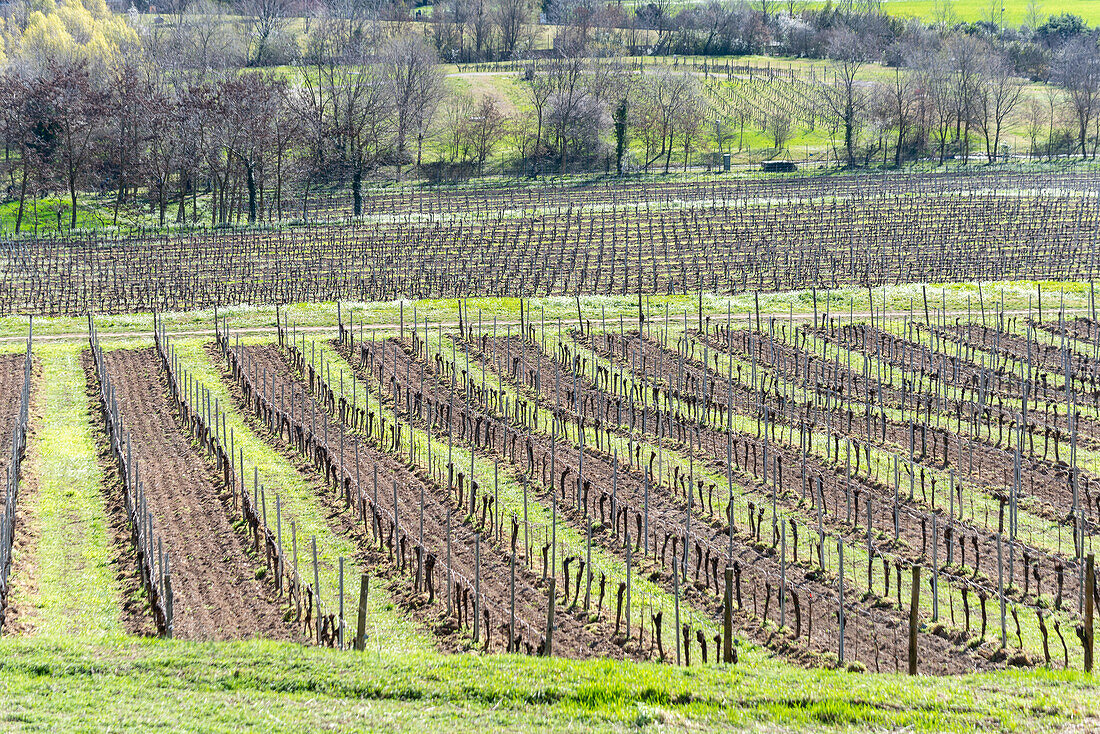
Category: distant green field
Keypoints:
(1015, 11)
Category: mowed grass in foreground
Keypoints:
(60, 685)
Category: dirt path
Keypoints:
(107, 332)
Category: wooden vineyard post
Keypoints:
(588, 566)
(783, 577)
(361, 628)
(840, 603)
(512, 601)
(477, 585)
(549, 650)
(727, 619)
(169, 607)
(914, 603)
(1090, 591)
(316, 587)
(628, 574)
(1001, 590)
(676, 604)
(935, 573)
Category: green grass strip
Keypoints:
(282, 687)
(67, 584)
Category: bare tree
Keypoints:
(513, 20)
(966, 57)
(935, 78)
(666, 95)
(486, 128)
(254, 106)
(1077, 69)
(1000, 94)
(352, 100)
(30, 130)
(127, 122)
(944, 17)
(1034, 123)
(778, 129)
(742, 113)
(573, 113)
(205, 40)
(79, 115)
(457, 114)
(845, 98)
(689, 121)
(411, 70)
(263, 22)
(904, 95)
(165, 144)
(539, 91)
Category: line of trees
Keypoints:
(168, 115)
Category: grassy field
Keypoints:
(955, 297)
(258, 686)
(1015, 11)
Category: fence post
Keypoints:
(550, 617)
(1090, 590)
(361, 629)
(316, 587)
(914, 603)
(169, 605)
(727, 619)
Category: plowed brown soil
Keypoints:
(216, 593)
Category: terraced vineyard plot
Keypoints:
(755, 551)
(911, 521)
(821, 466)
(657, 514)
(216, 592)
(437, 538)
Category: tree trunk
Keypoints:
(121, 184)
(181, 213)
(22, 197)
(250, 172)
(849, 115)
(72, 198)
(357, 192)
(538, 138)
